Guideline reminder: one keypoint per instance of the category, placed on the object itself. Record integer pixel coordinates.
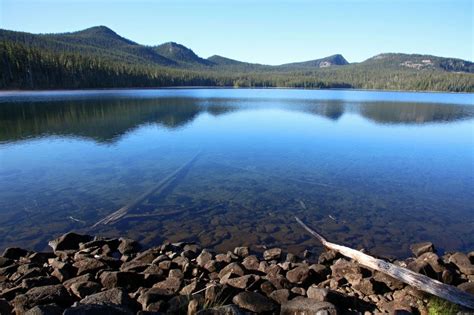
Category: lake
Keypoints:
(372, 170)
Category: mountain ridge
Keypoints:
(125, 63)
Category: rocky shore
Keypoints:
(92, 275)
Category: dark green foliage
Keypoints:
(99, 58)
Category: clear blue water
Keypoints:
(373, 170)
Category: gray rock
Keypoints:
(135, 266)
(433, 260)
(69, 241)
(272, 254)
(38, 282)
(267, 287)
(420, 248)
(291, 258)
(233, 268)
(212, 293)
(298, 291)
(98, 309)
(254, 302)
(151, 299)
(462, 262)
(116, 296)
(84, 288)
(307, 307)
(222, 310)
(88, 265)
(128, 246)
(318, 294)
(298, 274)
(48, 309)
(251, 263)
(171, 285)
(42, 295)
(240, 282)
(390, 282)
(280, 296)
(327, 257)
(467, 286)
(242, 251)
(223, 258)
(203, 258)
(128, 280)
(87, 277)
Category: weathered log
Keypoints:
(416, 280)
(165, 182)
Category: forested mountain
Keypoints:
(99, 58)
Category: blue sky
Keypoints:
(264, 31)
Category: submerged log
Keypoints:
(162, 185)
(416, 280)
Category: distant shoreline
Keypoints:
(226, 88)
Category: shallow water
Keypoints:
(373, 170)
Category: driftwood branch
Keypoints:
(416, 280)
(164, 183)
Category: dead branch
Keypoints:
(416, 280)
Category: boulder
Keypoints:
(87, 277)
(69, 241)
(128, 246)
(467, 286)
(48, 309)
(280, 296)
(88, 265)
(42, 295)
(390, 282)
(341, 268)
(328, 257)
(254, 302)
(203, 258)
(318, 294)
(170, 285)
(462, 262)
(298, 291)
(151, 298)
(233, 268)
(272, 254)
(38, 282)
(420, 248)
(307, 307)
(240, 282)
(298, 274)
(116, 296)
(242, 251)
(128, 280)
(97, 309)
(84, 288)
(433, 260)
(251, 263)
(222, 310)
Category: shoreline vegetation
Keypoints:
(95, 275)
(97, 57)
(191, 87)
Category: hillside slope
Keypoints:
(99, 57)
